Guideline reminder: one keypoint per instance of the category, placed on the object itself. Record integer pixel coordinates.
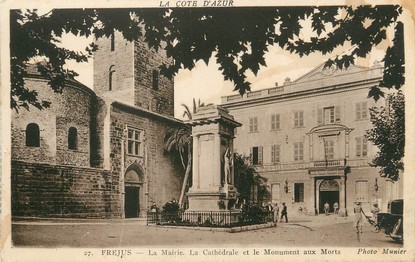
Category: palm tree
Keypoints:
(179, 139)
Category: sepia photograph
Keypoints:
(160, 130)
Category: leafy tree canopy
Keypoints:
(246, 178)
(237, 37)
(388, 134)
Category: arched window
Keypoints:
(32, 135)
(72, 138)
(111, 77)
(155, 79)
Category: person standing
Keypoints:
(276, 212)
(284, 212)
(358, 218)
(326, 208)
(375, 212)
(336, 208)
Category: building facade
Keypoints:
(307, 137)
(97, 153)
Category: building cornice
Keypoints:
(301, 94)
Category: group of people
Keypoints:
(327, 208)
(359, 213)
(276, 209)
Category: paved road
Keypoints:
(302, 231)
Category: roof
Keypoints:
(33, 72)
(146, 112)
(318, 80)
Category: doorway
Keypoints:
(134, 197)
(132, 201)
(328, 192)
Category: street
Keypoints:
(301, 231)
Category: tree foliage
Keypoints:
(247, 178)
(238, 38)
(388, 134)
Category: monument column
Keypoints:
(211, 125)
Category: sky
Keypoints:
(205, 82)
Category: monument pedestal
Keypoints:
(205, 201)
(210, 200)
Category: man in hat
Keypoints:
(358, 219)
(284, 213)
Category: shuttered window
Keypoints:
(361, 146)
(361, 111)
(256, 155)
(328, 115)
(253, 124)
(361, 191)
(298, 151)
(275, 153)
(298, 119)
(275, 122)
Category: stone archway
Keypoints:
(133, 188)
(329, 191)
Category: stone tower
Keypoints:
(129, 72)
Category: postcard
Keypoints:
(207, 130)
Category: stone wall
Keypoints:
(120, 61)
(44, 190)
(132, 65)
(99, 111)
(162, 175)
(146, 60)
(71, 108)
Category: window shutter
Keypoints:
(260, 155)
(320, 116)
(251, 125)
(364, 146)
(358, 116)
(273, 154)
(278, 154)
(364, 110)
(358, 146)
(337, 113)
(251, 155)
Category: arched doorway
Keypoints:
(133, 191)
(328, 192)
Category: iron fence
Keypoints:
(231, 218)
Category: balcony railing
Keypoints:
(283, 166)
(329, 163)
(318, 163)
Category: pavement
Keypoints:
(302, 230)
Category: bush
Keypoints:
(171, 211)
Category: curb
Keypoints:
(218, 229)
